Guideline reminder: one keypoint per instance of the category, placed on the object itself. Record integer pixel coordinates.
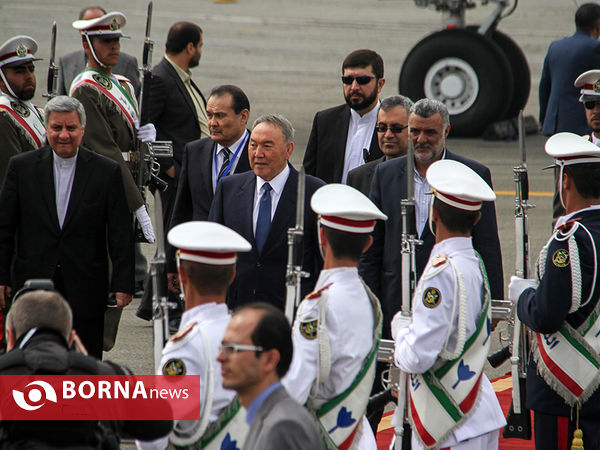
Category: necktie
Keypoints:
(226, 155)
(263, 223)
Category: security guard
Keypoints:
(444, 346)
(564, 309)
(110, 105)
(21, 123)
(40, 340)
(338, 326)
(206, 264)
(589, 82)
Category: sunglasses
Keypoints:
(591, 104)
(396, 129)
(228, 349)
(361, 79)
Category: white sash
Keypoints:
(25, 116)
(114, 91)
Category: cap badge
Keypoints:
(597, 86)
(102, 81)
(21, 51)
(20, 109)
(114, 25)
(431, 297)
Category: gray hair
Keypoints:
(396, 100)
(62, 103)
(427, 107)
(40, 309)
(279, 121)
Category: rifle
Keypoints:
(52, 69)
(518, 418)
(294, 272)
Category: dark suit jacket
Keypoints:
(97, 224)
(261, 276)
(282, 423)
(360, 177)
(71, 64)
(381, 265)
(194, 190)
(567, 58)
(172, 112)
(324, 157)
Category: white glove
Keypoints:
(517, 285)
(399, 322)
(145, 222)
(145, 133)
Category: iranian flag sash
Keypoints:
(228, 431)
(112, 90)
(26, 117)
(441, 399)
(341, 416)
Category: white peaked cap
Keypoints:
(344, 208)
(458, 185)
(207, 243)
(569, 148)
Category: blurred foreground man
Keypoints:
(564, 370)
(445, 346)
(206, 263)
(338, 326)
(21, 123)
(255, 354)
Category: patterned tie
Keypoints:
(263, 223)
(226, 155)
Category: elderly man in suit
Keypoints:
(560, 109)
(343, 137)
(381, 265)
(62, 214)
(256, 352)
(392, 135)
(72, 63)
(261, 206)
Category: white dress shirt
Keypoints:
(64, 174)
(277, 185)
(220, 157)
(360, 134)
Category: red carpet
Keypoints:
(503, 388)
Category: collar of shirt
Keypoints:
(422, 198)
(64, 162)
(447, 246)
(595, 140)
(562, 219)
(360, 134)
(277, 185)
(258, 402)
(185, 76)
(370, 116)
(203, 312)
(220, 157)
(327, 276)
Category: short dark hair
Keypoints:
(272, 332)
(40, 309)
(180, 35)
(586, 178)
(87, 8)
(456, 220)
(364, 58)
(239, 98)
(346, 245)
(208, 279)
(587, 17)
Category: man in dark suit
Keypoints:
(255, 354)
(66, 207)
(261, 206)
(381, 265)
(560, 109)
(71, 64)
(392, 135)
(343, 137)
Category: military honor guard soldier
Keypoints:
(111, 106)
(562, 306)
(206, 262)
(21, 123)
(334, 381)
(444, 346)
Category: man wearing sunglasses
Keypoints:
(392, 135)
(344, 137)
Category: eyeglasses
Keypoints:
(591, 104)
(228, 349)
(396, 129)
(361, 79)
